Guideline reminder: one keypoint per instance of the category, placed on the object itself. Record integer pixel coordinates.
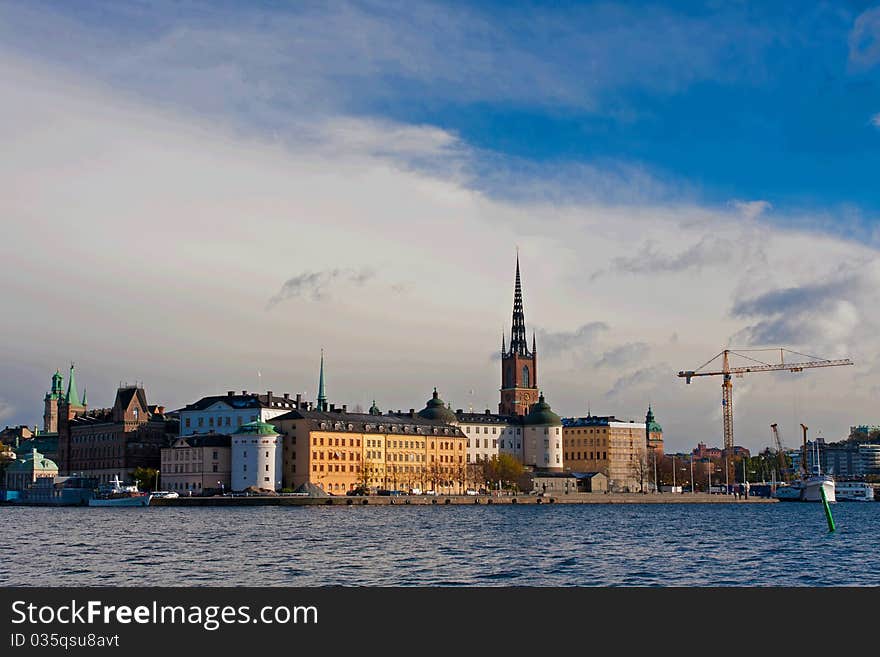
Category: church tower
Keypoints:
(519, 365)
(51, 402)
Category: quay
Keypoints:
(426, 500)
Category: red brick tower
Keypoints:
(519, 366)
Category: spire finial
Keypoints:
(518, 343)
(322, 396)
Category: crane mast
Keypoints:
(755, 365)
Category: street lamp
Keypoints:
(157, 481)
(693, 482)
(673, 473)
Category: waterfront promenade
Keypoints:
(423, 500)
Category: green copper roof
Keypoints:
(57, 386)
(33, 462)
(72, 396)
(375, 410)
(541, 413)
(436, 409)
(650, 424)
(256, 429)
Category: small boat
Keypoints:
(117, 494)
(853, 491)
(809, 487)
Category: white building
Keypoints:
(542, 438)
(225, 413)
(485, 433)
(256, 457)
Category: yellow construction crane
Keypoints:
(780, 453)
(755, 366)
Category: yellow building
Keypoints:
(340, 451)
(616, 448)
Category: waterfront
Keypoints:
(479, 545)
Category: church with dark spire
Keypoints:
(519, 364)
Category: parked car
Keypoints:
(415, 491)
(470, 491)
(360, 490)
(430, 492)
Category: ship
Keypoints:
(117, 494)
(853, 491)
(809, 487)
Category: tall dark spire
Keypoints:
(322, 395)
(518, 343)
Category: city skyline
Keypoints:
(198, 199)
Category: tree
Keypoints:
(145, 477)
(640, 470)
(505, 468)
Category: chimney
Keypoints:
(286, 395)
(230, 393)
(458, 411)
(332, 408)
(298, 400)
(488, 412)
(345, 408)
(244, 392)
(161, 410)
(269, 397)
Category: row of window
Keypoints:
(576, 456)
(485, 443)
(586, 442)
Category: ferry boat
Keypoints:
(854, 491)
(117, 494)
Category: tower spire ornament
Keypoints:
(322, 396)
(519, 379)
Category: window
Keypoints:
(265, 478)
(187, 423)
(525, 376)
(267, 468)
(214, 468)
(201, 421)
(215, 457)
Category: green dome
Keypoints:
(256, 429)
(651, 423)
(436, 409)
(375, 410)
(542, 414)
(33, 462)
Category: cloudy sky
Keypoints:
(200, 196)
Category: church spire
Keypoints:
(518, 344)
(72, 396)
(503, 345)
(322, 396)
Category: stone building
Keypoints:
(616, 448)
(25, 471)
(340, 451)
(108, 442)
(257, 457)
(201, 464)
(226, 413)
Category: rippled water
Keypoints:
(561, 545)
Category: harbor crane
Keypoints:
(755, 365)
(780, 452)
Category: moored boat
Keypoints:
(854, 491)
(117, 494)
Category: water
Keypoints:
(480, 545)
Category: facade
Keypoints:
(257, 458)
(703, 452)
(340, 451)
(197, 464)
(519, 365)
(26, 471)
(542, 438)
(869, 458)
(112, 442)
(485, 434)
(616, 448)
(548, 483)
(226, 413)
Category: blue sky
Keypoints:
(679, 177)
(713, 100)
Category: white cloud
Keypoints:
(144, 244)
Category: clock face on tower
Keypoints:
(526, 399)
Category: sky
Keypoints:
(199, 197)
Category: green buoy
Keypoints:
(828, 517)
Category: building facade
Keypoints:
(340, 451)
(257, 458)
(226, 413)
(199, 465)
(112, 442)
(616, 448)
(25, 472)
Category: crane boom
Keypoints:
(791, 367)
(727, 371)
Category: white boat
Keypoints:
(809, 487)
(157, 494)
(117, 494)
(853, 491)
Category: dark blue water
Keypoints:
(561, 545)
